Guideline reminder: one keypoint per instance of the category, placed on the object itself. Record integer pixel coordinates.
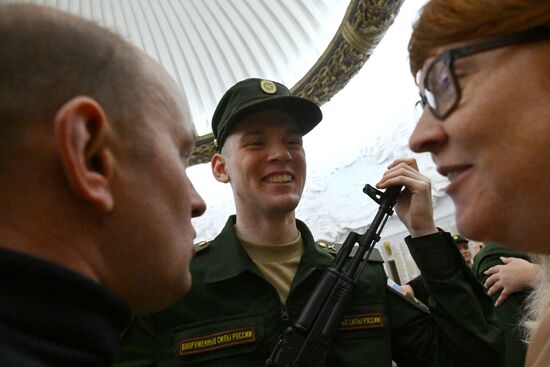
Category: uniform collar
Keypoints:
(228, 259)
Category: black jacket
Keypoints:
(51, 316)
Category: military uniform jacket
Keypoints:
(510, 312)
(233, 316)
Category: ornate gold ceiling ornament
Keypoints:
(363, 26)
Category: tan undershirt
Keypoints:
(278, 263)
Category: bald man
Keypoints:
(94, 137)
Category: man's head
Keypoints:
(462, 245)
(94, 140)
(258, 126)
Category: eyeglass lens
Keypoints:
(440, 88)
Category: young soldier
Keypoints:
(462, 245)
(253, 279)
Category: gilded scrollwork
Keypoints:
(203, 151)
(363, 26)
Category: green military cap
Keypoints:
(459, 238)
(252, 95)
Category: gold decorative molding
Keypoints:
(203, 151)
(363, 26)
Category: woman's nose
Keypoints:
(428, 135)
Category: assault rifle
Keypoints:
(305, 343)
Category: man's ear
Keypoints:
(218, 168)
(81, 133)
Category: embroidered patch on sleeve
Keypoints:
(215, 341)
(362, 321)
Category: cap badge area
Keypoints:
(268, 86)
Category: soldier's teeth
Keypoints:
(279, 179)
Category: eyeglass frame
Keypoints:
(448, 57)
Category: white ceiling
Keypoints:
(208, 45)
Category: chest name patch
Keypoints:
(362, 321)
(215, 341)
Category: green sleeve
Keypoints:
(510, 312)
(461, 328)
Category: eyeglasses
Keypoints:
(439, 88)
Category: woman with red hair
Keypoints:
(483, 70)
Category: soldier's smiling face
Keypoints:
(264, 160)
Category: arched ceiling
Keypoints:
(316, 46)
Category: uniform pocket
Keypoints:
(218, 338)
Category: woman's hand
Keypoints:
(414, 205)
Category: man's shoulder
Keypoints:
(334, 248)
(206, 248)
(495, 249)
(205, 254)
(490, 255)
(201, 247)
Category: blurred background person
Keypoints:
(509, 276)
(462, 244)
